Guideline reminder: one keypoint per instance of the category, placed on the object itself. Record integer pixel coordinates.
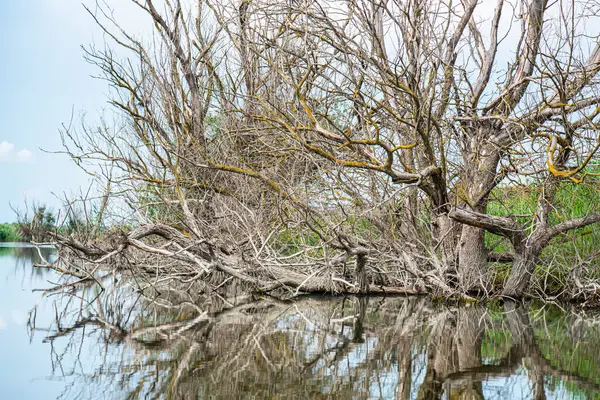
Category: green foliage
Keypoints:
(572, 200)
(291, 241)
(38, 225)
(9, 233)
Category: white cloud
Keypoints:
(6, 149)
(24, 155)
(8, 153)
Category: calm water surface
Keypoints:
(111, 343)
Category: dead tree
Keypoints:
(274, 142)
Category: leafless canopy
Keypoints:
(340, 146)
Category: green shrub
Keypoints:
(8, 233)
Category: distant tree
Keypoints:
(8, 233)
(35, 223)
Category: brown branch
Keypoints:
(515, 88)
(500, 257)
(499, 225)
(548, 234)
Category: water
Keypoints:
(87, 343)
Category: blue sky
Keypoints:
(44, 81)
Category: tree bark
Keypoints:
(480, 177)
(447, 234)
(522, 270)
(472, 256)
(361, 273)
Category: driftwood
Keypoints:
(198, 259)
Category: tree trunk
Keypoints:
(447, 233)
(522, 270)
(472, 256)
(474, 188)
(407, 217)
(361, 273)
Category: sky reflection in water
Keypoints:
(116, 344)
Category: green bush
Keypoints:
(8, 233)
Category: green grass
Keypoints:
(289, 241)
(572, 201)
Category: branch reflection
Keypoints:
(172, 346)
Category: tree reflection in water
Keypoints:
(401, 348)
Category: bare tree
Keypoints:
(275, 142)
(427, 104)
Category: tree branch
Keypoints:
(550, 233)
(499, 225)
